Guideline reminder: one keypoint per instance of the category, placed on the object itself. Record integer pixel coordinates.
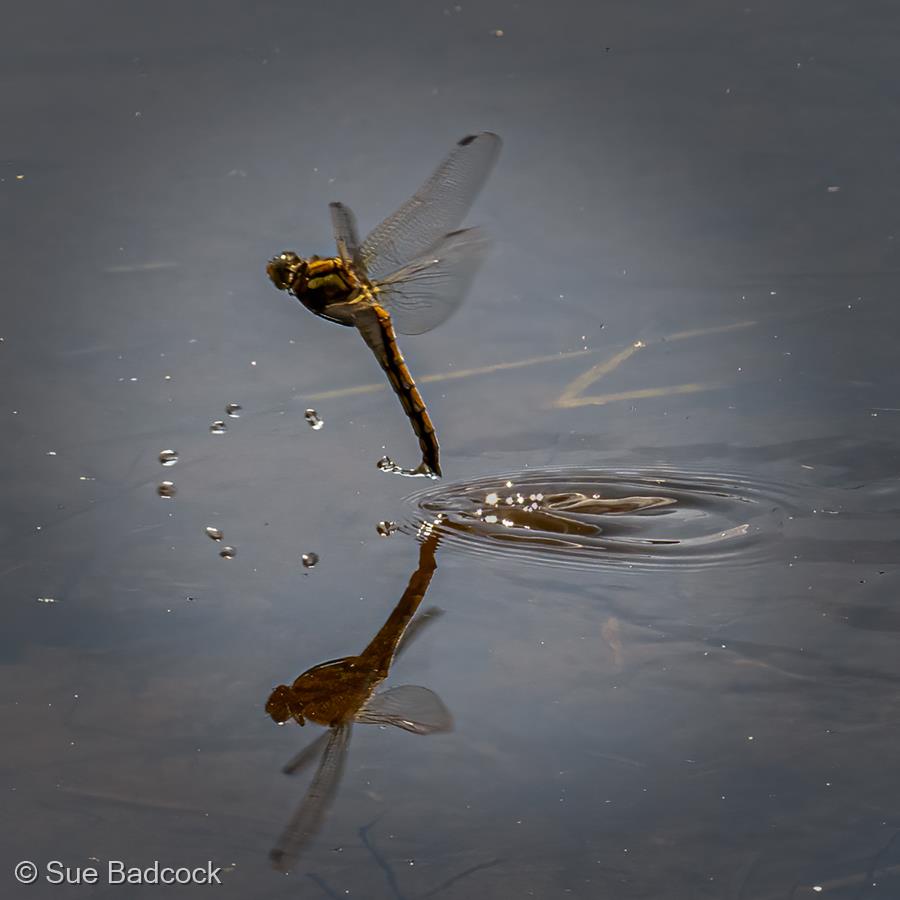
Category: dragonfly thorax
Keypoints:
(317, 283)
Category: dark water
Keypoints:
(715, 183)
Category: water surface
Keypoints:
(694, 277)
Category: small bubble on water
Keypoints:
(315, 420)
(46, 599)
(218, 427)
(386, 528)
(214, 533)
(166, 489)
(492, 499)
(233, 410)
(168, 457)
(309, 560)
(228, 553)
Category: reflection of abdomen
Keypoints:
(405, 388)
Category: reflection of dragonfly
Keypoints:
(410, 273)
(342, 691)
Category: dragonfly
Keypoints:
(408, 276)
(343, 691)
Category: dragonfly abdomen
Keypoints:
(401, 380)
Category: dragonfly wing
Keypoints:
(308, 817)
(409, 706)
(437, 207)
(429, 289)
(343, 223)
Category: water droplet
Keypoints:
(315, 420)
(166, 489)
(386, 528)
(233, 410)
(218, 427)
(46, 599)
(386, 464)
(228, 553)
(214, 533)
(309, 560)
(168, 457)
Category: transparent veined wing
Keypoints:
(429, 289)
(308, 817)
(439, 206)
(343, 223)
(410, 707)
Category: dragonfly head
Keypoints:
(285, 269)
(283, 705)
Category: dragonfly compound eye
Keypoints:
(282, 269)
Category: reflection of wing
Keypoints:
(428, 290)
(417, 626)
(343, 223)
(308, 817)
(437, 207)
(306, 755)
(410, 707)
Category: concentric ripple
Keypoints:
(590, 518)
